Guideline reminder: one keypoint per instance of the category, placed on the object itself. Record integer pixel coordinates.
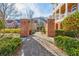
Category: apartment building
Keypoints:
(62, 10)
(12, 23)
(32, 26)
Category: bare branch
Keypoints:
(8, 9)
(29, 13)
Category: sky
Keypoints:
(39, 9)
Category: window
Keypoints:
(74, 7)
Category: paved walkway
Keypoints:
(49, 44)
(39, 45)
(32, 48)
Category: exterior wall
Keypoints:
(12, 24)
(67, 9)
(24, 27)
(78, 6)
(32, 26)
(70, 8)
(51, 27)
(56, 26)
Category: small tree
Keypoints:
(7, 11)
(71, 22)
(1, 26)
(30, 14)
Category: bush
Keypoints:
(1, 24)
(71, 33)
(43, 30)
(71, 22)
(9, 45)
(11, 30)
(66, 33)
(33, 31)
(59, 32)
(68, 44)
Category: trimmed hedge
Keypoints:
(68, 44)
(8, 45)
(59, 32)
(71, 33)
(11, 30)
(66, 33)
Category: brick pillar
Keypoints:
(51, 27)
(61, 26)
(24, 27)
(56, 26)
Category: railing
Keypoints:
(61, 16)
(57, 16)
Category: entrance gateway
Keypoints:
(25, 27)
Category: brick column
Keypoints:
(24, 27)
(56, 26)
(51, 27)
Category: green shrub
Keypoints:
(71, 22)
(9, 45)
(11, 30)
(71, 33)
(33, 31)
(59, 32)
(68, 44)
(1, 24)
(66, 33)
(43, 30)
